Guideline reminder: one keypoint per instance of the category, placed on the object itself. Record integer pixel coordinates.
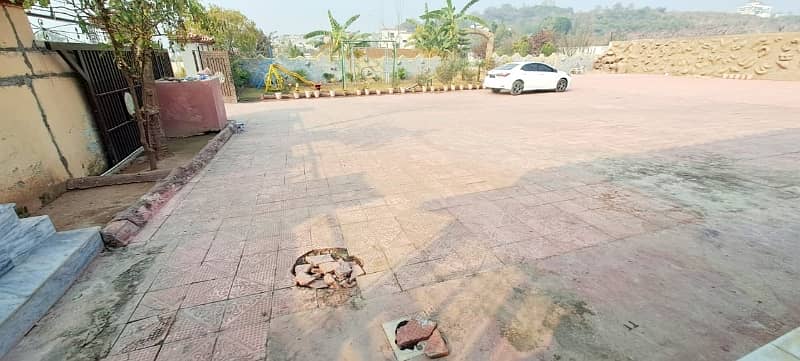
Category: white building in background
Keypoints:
(402, 37)
(756, 8)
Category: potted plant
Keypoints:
(316, 93)
(296, 95)
(278, 95)
(402, 90)
(308, 94)
(390, 90)
(377, 92)
(332, 93)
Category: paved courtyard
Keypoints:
(631, 218)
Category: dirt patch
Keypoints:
(181, 151)
(97, 206)
(92, 207)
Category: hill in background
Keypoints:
(620, 22)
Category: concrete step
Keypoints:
(22, 239)
(28, 290)
(8, 218)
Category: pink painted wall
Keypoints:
(191, 108)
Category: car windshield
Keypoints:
(508, 66)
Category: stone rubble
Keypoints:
(327, 271)
(422, 333)
(413, 332)
(435, 346)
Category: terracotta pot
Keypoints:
(308, 94)
(469, 86)
(390, 90)
(460, 86)
(377, 92)
(358, 91)
(366, 91)
(296, 95)
(424, 89)
(402, 90)
(278, 96)
(316, 93)
(332, 93)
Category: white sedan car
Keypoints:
(518, 77)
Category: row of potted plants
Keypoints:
(308, 94)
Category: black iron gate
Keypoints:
(105, 87)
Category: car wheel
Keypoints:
(562, 85)
(495, 90)
(517, 87)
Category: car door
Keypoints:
(529, 75)
(548, 77)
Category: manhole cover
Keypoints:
(329, 268)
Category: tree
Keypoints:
(131, 26)
(559, 25)
(522, 46)
(338, 34)
(442, 30)
(233, 31)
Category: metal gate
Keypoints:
(219, 62)
(105, 87)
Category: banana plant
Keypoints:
(338, 34)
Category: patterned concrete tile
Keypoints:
(174, 276)
(196, 321)
(215, 269)
(378, 284)
(147, 354)
(245, 284)
(292, 300)
(143, 334)
(243, 343)
(247, 310)
(207, 292)
(268, 245)
(416, 275)
(159, 302)
(193, 349)
(258, 263)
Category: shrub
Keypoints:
(548, 49)
(448, 70)
(301, 72)
(329, 77)
(402, 74)
(241, 77)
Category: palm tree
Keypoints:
(338, 33)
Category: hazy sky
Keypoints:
(311, 14)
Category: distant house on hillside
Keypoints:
(756, 8)
(401, 37)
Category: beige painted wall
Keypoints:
(46, 130)
(750, 56)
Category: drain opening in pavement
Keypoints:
(328, 268)
(413, 337)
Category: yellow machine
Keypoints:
(274, 81)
